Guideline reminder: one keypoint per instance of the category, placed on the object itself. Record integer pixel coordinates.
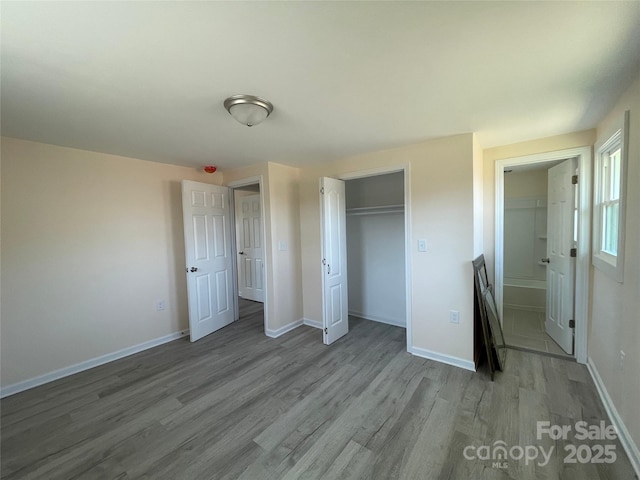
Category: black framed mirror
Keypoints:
(491, 327)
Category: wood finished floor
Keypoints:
(239, 405)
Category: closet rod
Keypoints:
(380, 210)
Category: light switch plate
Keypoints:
(422, 245)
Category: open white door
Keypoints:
(560, 263)
(250, 252)
(208, 254)
(335, 317)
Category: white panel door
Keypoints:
(250, 250)
(560, 264)
(333, 216)
(208, 254)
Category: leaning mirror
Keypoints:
(497, 337)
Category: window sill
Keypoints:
(609, 265)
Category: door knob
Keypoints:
(194, 269)
(545, 260)
(241, 253)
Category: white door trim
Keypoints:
(406, 168)
(243, 182)
(583, 154)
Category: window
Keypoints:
(609, 204)
(610, 201)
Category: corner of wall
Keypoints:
(285, 244)
(478, 198)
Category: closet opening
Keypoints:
(376, 243)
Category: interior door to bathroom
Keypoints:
(250, 251)
(560, 263)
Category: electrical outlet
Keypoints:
(159, 305)
(622, 355)
(454, 316)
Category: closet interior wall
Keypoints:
(376, 248)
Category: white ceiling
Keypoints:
(148, 79)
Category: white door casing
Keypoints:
(208, 253)
(333, 216)
(250, 250)
(561, 265)
(583, 259)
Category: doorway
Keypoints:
(372, 206)
(211, 251)
(249, 244)
(532, 221)
(582, 221)
(250, 267)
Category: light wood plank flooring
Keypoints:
(239, 405)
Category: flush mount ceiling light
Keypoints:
(248, 109)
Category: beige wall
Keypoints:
(441, 210)
(615, 307)
(90, 242)
(283, 270)
(491, 155)
(287, 269)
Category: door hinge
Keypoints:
(574, 180)
(573, 252)
(326, 331)
(572, 324)
(322, 190)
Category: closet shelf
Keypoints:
(384, 209)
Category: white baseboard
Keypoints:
(623, 434)
(443, 358)
(87, 364)
(312, 323)
(376, 318)
(282, 330)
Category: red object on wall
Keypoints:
(210, 169)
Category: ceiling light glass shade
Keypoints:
(248, 109)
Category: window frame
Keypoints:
(605, 261)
